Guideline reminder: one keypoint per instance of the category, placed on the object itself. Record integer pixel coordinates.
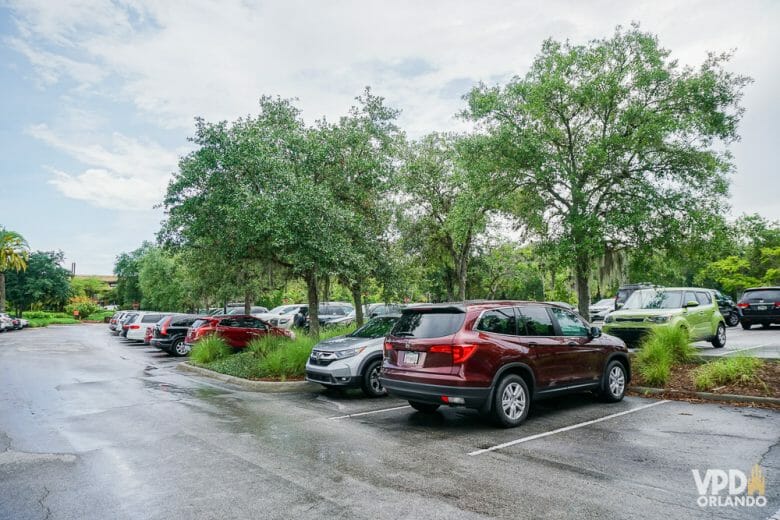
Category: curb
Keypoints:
(728, 398)
(254, 386)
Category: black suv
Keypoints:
(728, 309)
(760, 305)
(168, 334)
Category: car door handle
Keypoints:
(532, 343)
(572, 344)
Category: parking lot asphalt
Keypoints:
(94, 427)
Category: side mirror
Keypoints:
(691, 303)
(619, 306)
(594, 333)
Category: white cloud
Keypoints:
(130, 175)
(175, 60)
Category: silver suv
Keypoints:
(354, 360)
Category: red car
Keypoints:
(499, 356)
(236, 330)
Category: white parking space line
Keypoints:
(564, 429)
(743, 349)
(369, 413)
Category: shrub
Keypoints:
(243, 364)
(209, 349)
(84, 305)
(725, 371)
(46, 321)
(661, 349)
(286, 361)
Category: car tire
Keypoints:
(179, 348)
(613, 382)
(370, 383)
(511, 402)
(424, 407)
(719, 341)
(746, 325)
(732, 320)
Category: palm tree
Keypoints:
(14, 253)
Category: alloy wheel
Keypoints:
(373, 380)
(617, 381)
(513, 401)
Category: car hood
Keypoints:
(346, 342)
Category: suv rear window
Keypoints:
(151, 318)
(762, 294)
(428, 324)
(182, 321)
(199, 323)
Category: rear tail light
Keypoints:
(134, 327)
(460, 353)
(743, 305)
(165, 324)
(777, 305)
(388, 347)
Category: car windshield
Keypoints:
(375, 328)
(652, 299)
(606, 302)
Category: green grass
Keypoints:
(272, 357)
(661, 349)
(44, 322)
(726, 371)
(208, 349)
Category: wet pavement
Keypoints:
(94, 427)
(756, 341)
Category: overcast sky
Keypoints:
(98, 98)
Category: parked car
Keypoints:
(237, 331)
(354, 360)
(282, 316)
(728, 309)
(498, 357)
(6, 323)
(599, 310)
(233, 311)
(12, 323)
(760, 305)
(691, 308)
(334, 314)
(625, 292)
(168, 334)
(381, 309)
(124, 324)
(143, 319)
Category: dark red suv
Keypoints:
(499, 356)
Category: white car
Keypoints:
(145, 319)
(282, 316)
(6, 323)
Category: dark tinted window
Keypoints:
(569, 323)
(375, 328)
(254, 323)
(498, 321)
(767, 295)
(131, 319)
(229, 322)
(182, 321)
(428, 324)
(151, 318)
(703, 298)
(535, 321)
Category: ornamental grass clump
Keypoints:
(660, 350)
(739, 369)
(208, 349)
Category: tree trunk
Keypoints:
(248, 302)
(463, 265)
(449, 284)
(314, 304)
(2, 291)
(582, 280)
(357, 297)
(326, 289)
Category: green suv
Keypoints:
(691, 308)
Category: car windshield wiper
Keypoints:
(404, 334)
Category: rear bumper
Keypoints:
(473, 397)
(164, 344)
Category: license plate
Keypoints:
(411, 358)
(761, 307)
